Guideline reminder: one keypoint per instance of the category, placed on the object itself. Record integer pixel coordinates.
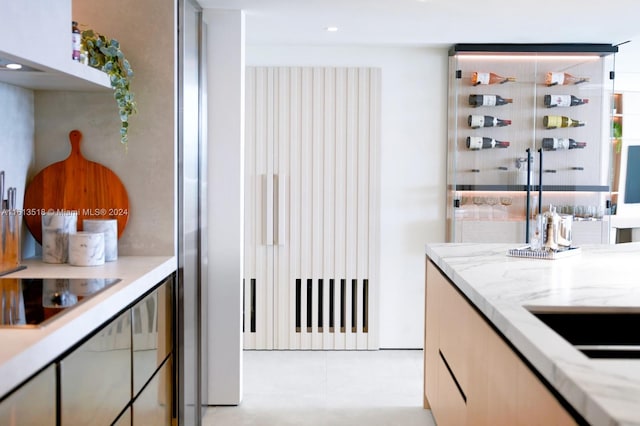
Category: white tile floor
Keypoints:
(328, 388)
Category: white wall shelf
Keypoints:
(44, 44)
(75, 76)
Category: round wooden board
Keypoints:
(76, 184)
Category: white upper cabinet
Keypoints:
(37, 33)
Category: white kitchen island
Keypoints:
(505, 290)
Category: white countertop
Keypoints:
(24, 351)
(603, 391)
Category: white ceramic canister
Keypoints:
(110, 229)
(86, 249)
(56, 228)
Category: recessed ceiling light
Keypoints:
(332, 29)
(7, 64)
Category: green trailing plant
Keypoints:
(617, 130)
(617, 135)
(104, 54)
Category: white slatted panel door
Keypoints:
(252, 191)
(325, 162)
(258, 261)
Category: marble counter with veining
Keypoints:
(603, 391)
(24, 351)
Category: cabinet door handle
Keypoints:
(453, 376)
(528, 199)
(540, 183)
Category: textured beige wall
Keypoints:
(145, 30)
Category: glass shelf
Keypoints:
(521, 188)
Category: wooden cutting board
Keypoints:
(78, 184)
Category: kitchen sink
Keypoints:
(596, 332)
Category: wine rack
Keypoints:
(528, 126)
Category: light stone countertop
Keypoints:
(603, 391)
(24, 351)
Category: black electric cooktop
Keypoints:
(34, 302)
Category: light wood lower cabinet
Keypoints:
(34, 403)
(472, 377)
(451, 407)
(502, 367)
(536, 404)
(431, 345)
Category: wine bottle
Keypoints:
(561, 78)
(477, 142)
(488, 100)
(552, 144)
(489, 78)
(551, 101)
(555, 121)
(477, 121)
(76, 41)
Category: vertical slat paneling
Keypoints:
(317, 194)
(264, 295)
(340, 208)
(252, 180)
(306, 205)
(283, 252)
(260, 141)
(318, 127)
(374, 207)
(329, 190)
(261, 148)
(295, 213)
(362, 258)
(340, 198)
(352, 192)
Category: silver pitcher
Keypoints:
(557, 230)
(564, 230)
